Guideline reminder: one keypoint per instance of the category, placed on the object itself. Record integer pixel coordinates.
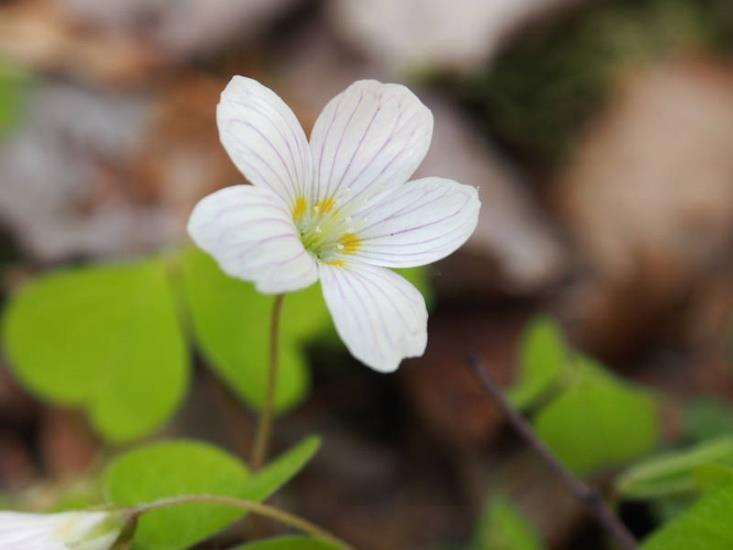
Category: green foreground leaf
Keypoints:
(674, 473)
(105, 338)
(176, 468)
(706, 525)
(231, 325)
(280, 470)
(502, 527)
(543, 359)
(709, 476)
(598, 420)
(707, 418)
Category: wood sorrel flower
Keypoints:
(338, 209)
(62, 531)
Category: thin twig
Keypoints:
(258, 508)
(264, 424)
(587, 496)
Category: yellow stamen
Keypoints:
(350, 243)
(335, 263)
(324, 206)
(299, 208)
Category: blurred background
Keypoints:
(600, 134)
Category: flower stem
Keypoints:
(264, 424)
(587, 496)
(258, 508)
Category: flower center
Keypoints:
(325, 231)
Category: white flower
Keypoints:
(62, 531)
(338, 209)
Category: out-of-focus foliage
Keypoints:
(706, 418)
(579, 409)
(540, 92)
(675, 473)
(109, 338)
(543, 358)
(502, 527)
(231, 323)
(704, 526)
(13, 87)
(266, 481)
(709, 476)
(288, 543)
(418, 276)
(80, 338)
(598, 420)
(105, 338)
(174, 468)
(79, 494)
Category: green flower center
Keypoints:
(324, 230)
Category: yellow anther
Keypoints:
(299, 208)
(324, 206)
(335, 263)
(350, 243)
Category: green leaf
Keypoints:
(669, 507)
(77, 495)
(288, 543)
(707, 418)
(277, 472)
(106, 338)
(502, 527)
(706, 525)
(673, 473)
(598, 420)
(419, 277)
(709, 476)
(231, 324)
(176, 468)
(543, 359)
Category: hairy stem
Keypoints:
(595, 505)
(264, 424)
(258, 508)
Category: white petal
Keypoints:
(264, 138)
(420, 222)
(251, 234)
(369, 136)
(378, 314)
(62, 531)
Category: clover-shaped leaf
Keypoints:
(598, 420)
(502, 527)
(674, 472)
(543, 357)
(706, 525)
(185, 467)
(106, 338)
(231, 321)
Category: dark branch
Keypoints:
(590, 498)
